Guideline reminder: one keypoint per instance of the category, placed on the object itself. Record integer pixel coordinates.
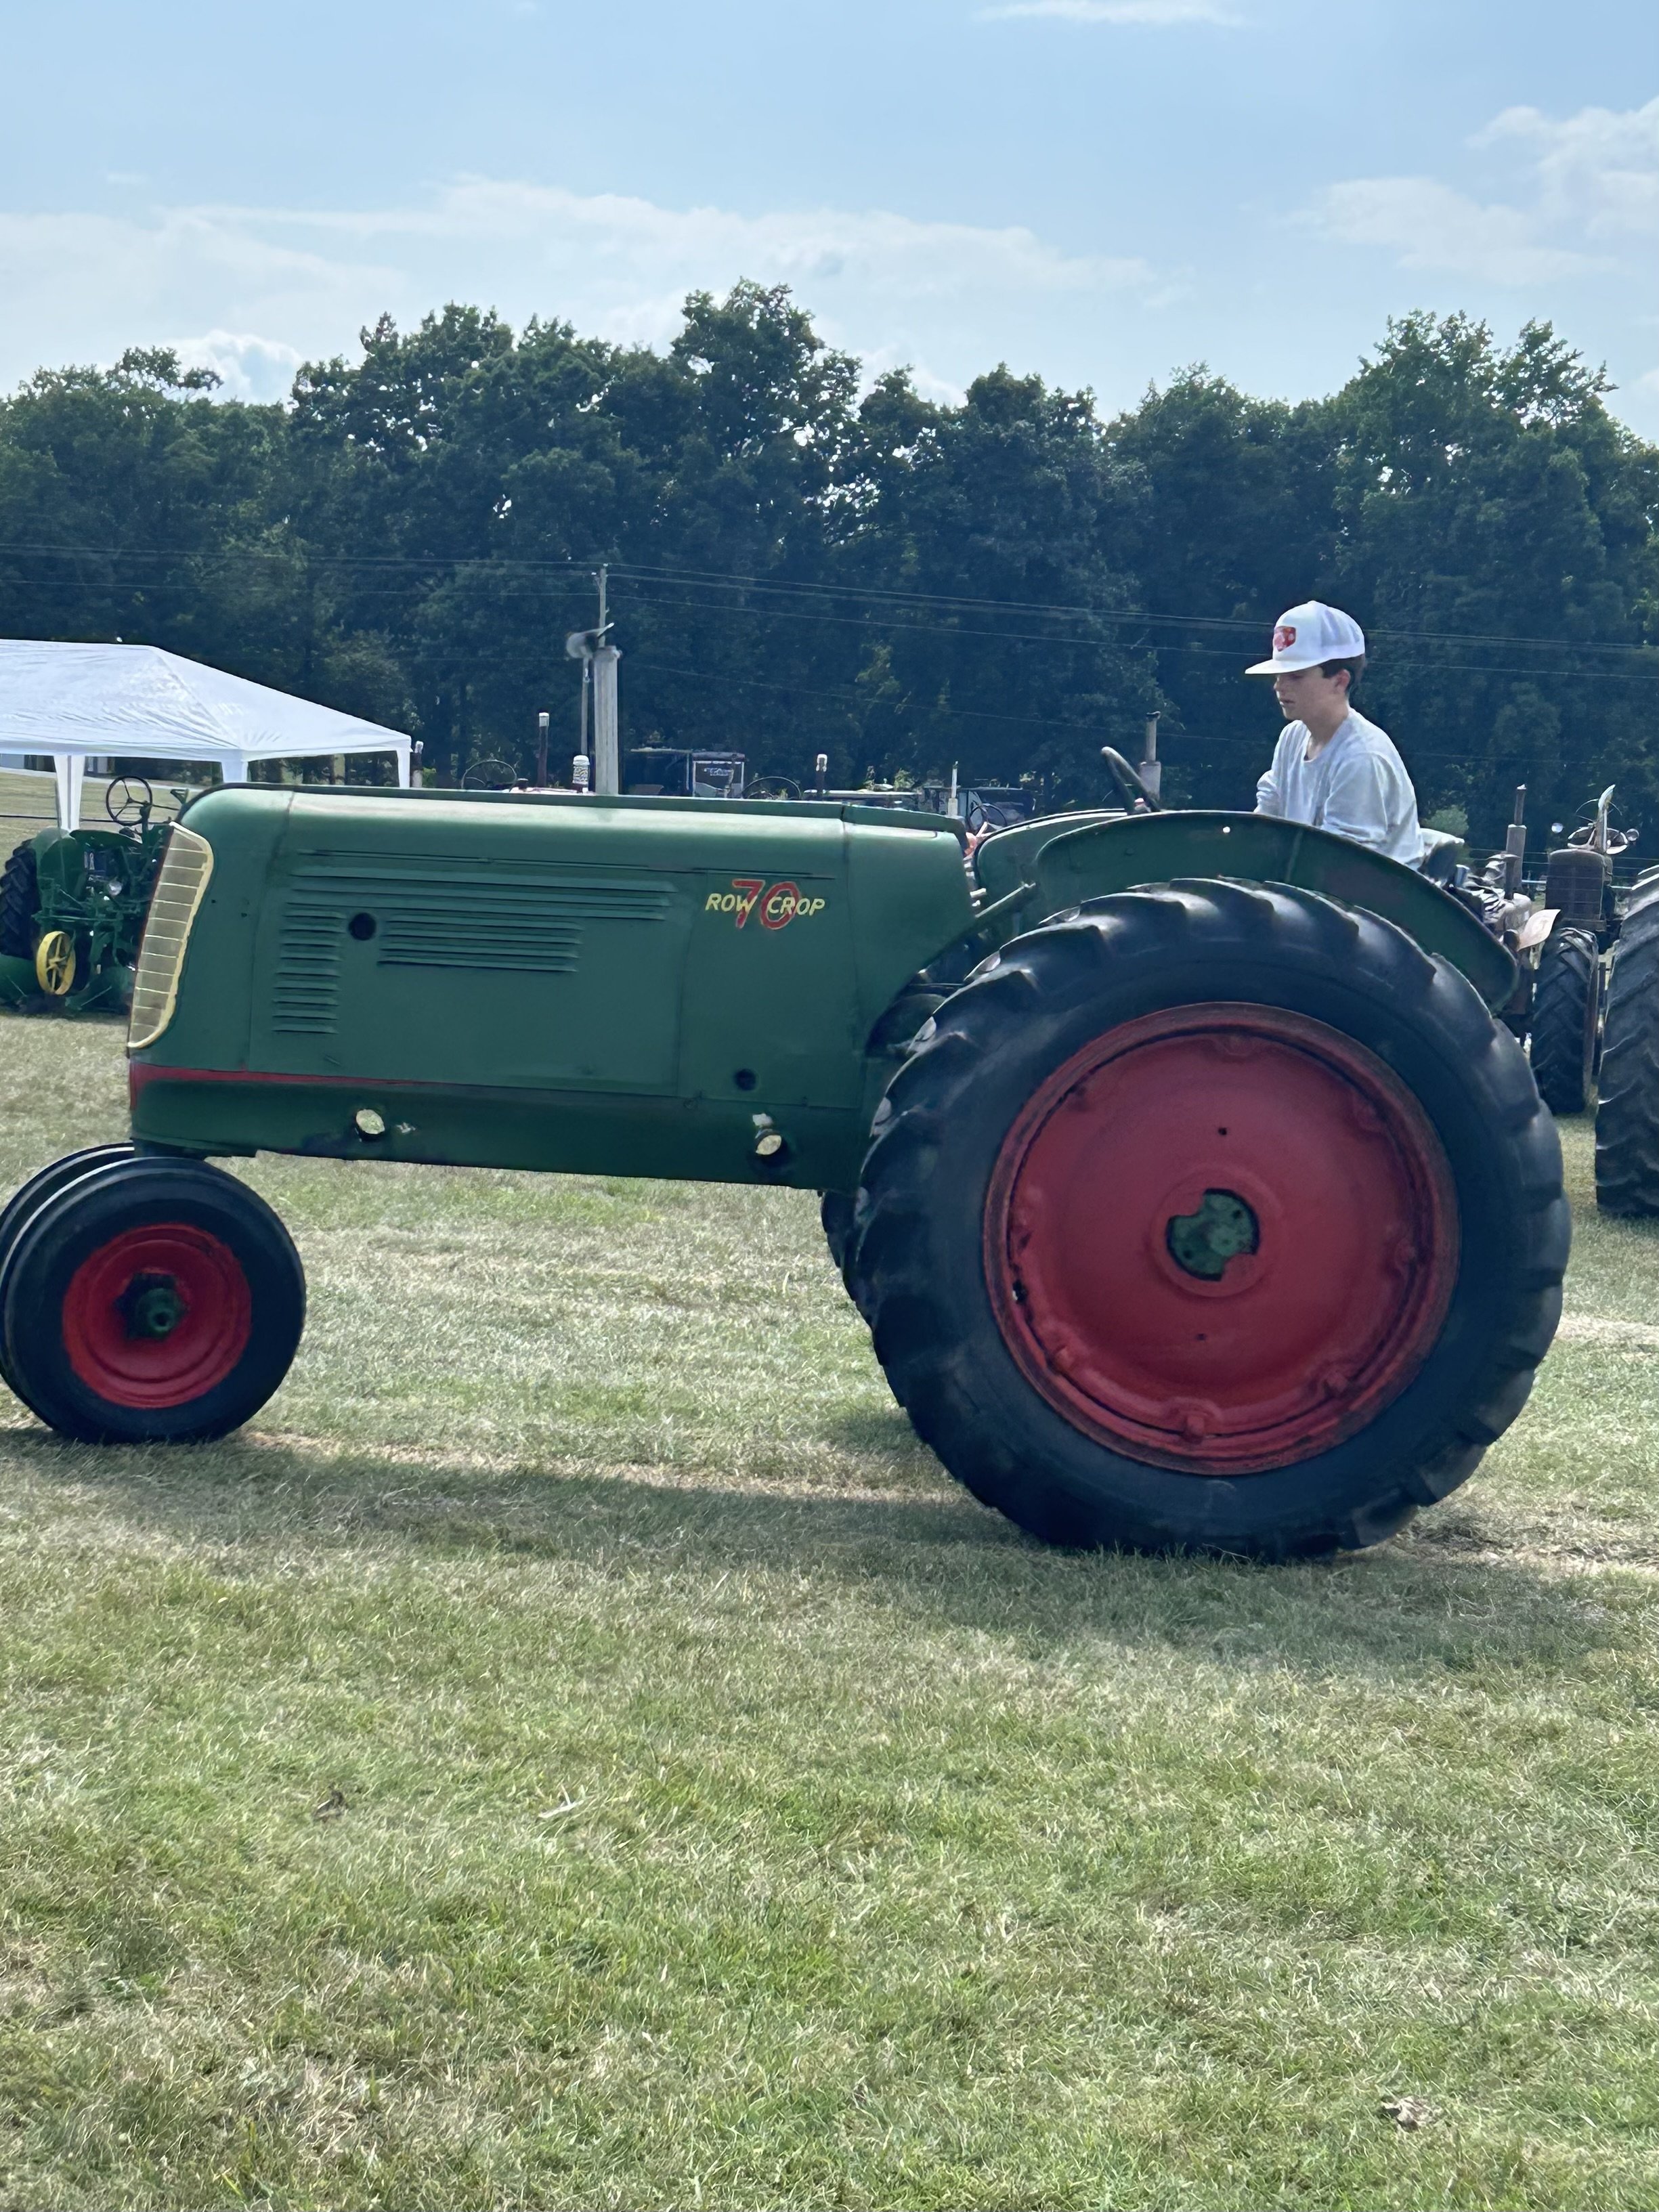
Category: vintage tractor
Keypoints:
(1193, 1196)
(72, 904)
(1567, 993)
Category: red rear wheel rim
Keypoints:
(157, 1317)
(1221, 1239)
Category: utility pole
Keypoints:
(599, 657)
(607, 759)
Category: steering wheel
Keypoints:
(773, 786)
(128, 801)
(1133, 790)
(490, 775)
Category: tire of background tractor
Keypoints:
(20, 903)
(1627, 1112)
(28, 1199)
(150, 1300)
(1212, 1217)
(1566, 1016)
(836, 1212)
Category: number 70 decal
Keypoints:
(779, 904)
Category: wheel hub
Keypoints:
(1221, 1239)
(157, 1316)
(1201, 1242)
(152, 1305)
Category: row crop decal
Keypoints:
(779, 905)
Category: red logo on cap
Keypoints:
(1284, 637)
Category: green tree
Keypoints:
(1497, 538)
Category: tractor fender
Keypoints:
(1136, 849)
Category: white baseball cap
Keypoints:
(1308, 636)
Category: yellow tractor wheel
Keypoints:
(54, 963)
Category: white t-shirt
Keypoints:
(1357, 787)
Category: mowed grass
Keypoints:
(578, 1749)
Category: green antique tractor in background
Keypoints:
(1193, 1194)
(72, 906)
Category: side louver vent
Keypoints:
(306, 999)
(495, 922)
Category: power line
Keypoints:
(500, 565)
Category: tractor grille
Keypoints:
(1573, 883)
(180, 881)
(438, 917)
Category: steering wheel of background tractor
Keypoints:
(1134, 792)
(128, 801)
(773, 786)
(490, 775)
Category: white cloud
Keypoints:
(1584, 183)
(82, 287)
(1600, 168)
(1116, 11)
(813, 247)
(1428, 225)
(249, 368)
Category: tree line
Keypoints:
(801, 564)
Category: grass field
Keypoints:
(578, 1749)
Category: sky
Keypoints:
(1103, 191)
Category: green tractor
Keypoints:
(72, 906)
(1193, 1196)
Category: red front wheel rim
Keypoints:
(1221, 1239)
(157, 1317)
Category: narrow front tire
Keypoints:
(150, 1300)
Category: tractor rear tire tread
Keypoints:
(1627, 1115)
(934, 1332)
(20, 902)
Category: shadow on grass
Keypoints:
(1397, 1613)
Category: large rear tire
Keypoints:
(1566, 1016)
(1212, 1217)
(150, 1301)
(836, 1215)
(20, 903)
(1627, 1114)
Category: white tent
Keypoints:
(73, 702)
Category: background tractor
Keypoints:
(1193, 1195)
(72, 906)
(1568, 992)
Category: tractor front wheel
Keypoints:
(1212, 1217)
(149, 1300)
(1566, 1018)
(26, 1201)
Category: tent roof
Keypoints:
(138, 700)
